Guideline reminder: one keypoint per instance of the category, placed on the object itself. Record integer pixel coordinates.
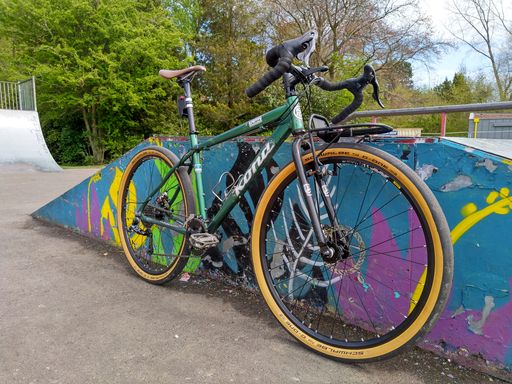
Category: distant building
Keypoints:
(490, 125)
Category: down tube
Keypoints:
(267, 150)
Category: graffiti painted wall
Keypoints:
(472, 186)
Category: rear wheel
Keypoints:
(156, 252)
(391, 271)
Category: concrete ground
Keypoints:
(71, 311)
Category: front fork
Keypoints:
(314, 214)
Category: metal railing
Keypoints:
(442, 109)
(18, 95)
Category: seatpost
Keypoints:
(190, 108)
(198, 169)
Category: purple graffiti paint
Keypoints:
(81, 214)
(95, 212)
(494, 341)
(107, 230)
(383, 291)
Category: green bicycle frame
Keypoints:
(290, 121)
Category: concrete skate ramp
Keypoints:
(500, 147)
(472, 185)
(22, 141)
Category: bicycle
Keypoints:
(350, 249)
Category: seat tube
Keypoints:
(196, 160)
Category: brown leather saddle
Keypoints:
(181, 73)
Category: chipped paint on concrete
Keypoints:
(487, 164)
(460, 182)
(475, 326)
(426, 171)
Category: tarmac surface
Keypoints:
(71, 311)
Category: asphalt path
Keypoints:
(71, 311)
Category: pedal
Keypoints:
(203, 241)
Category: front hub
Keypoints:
(337, 242)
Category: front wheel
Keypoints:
(391, 271)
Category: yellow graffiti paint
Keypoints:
(468, 209)
(136, 240)
(499, 207)
(472, 217)
(155, 141)
(418, 291)
(106, 209)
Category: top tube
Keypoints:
(291, 115)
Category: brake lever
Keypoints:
(375, 93)
(370, 77)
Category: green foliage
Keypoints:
(98, 60)
(460, 90)
(228, 46)
(186, 15)
(7, 51)
(67, 141)
(463, 90)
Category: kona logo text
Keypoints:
(262, 155)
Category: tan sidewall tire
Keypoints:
(186, 186)
(442, 270)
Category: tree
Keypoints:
(387, 32)
(228, 44)
(481, 24)
(97, 58)
(7, 51)
(464, 90)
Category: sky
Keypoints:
(450, 61)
